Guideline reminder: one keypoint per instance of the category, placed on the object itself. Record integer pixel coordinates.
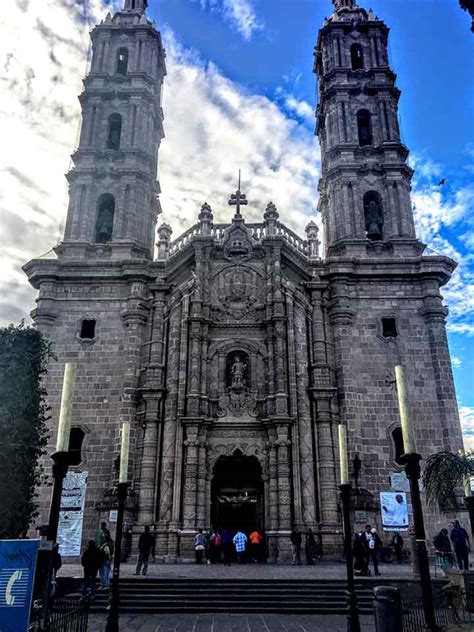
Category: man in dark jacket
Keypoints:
(461, 544)
(296, 539)
(90, 561)
(145, 544)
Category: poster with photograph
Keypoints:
(394, 508)
(71, 515)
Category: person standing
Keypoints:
(310, 547)
(200, 543)
(227, 546)
(145, 544)
(256, 541)
(215, 542)
(107, 552)
(397, 543)
(102, 533)
(461, 544)
(240, 543)
(90, 562)
(374, 545)
(443, 551)
(296, 539)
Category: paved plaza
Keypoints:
(229, 623)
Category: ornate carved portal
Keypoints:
(237, 400)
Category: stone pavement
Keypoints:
(229, 623)
(323, 570)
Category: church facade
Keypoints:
(237, 348)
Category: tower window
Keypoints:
(389, 328)
(364, 127)
(115, 131)
(75, 445)
(373, 215)
(105, 219)
(399, 449)
(87, 329)
(357, 57)
(122, 61)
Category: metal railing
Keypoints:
(450, 608)
(70, 614)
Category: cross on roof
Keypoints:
(238, 199)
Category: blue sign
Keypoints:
(17, 574)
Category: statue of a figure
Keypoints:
(373, 220)
(237, 372)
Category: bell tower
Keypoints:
(112, 187)
(365, 183)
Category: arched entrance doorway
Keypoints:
(237, 493)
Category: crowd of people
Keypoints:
(225, 546)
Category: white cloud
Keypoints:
(240, 14)
(466, 414)
(456, 361)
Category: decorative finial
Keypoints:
(238, 199)
(344, 4)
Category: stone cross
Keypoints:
(237, 199)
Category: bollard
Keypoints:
(387, 609)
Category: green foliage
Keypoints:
(444, 473)
(23, 433)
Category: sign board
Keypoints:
(394, 508)
(71, 515)
(17, 573)
(113, 515)
(399, 482)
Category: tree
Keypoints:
(24, 354)
(444, 473)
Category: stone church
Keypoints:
(235, 349)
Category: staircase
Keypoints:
(151, 596)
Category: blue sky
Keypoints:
(240, 93)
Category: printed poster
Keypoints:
(17, 573)
(71, 515)
(394, 508)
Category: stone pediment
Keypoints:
(238, 241)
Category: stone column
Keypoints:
(284, 492)
(190, 479)
(201, 517)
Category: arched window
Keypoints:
(373, 214)
(105, 219)
(397, 438)
(75, 445)
(115, 131)
(364, 127)
(122, 61)
(357, 57)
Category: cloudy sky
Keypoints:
(240, 94)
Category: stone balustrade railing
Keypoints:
(258, 232)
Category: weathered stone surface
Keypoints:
(307, 333)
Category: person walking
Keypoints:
(200, 543)
(240, 542)
(296, 540)
(256, 541)
(461, 544)
(90, 562)
(360, 554)
(107, 553)
(215, 543)
(145, 544)
(310, 547)
(397, 543)
(227, 546)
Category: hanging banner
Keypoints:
(71, 515)
(17, 573)
(394, 510)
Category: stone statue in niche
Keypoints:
(238, 374)
(373, 217)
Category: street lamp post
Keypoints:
(411, 461)
(353, 623)
(112, 624)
